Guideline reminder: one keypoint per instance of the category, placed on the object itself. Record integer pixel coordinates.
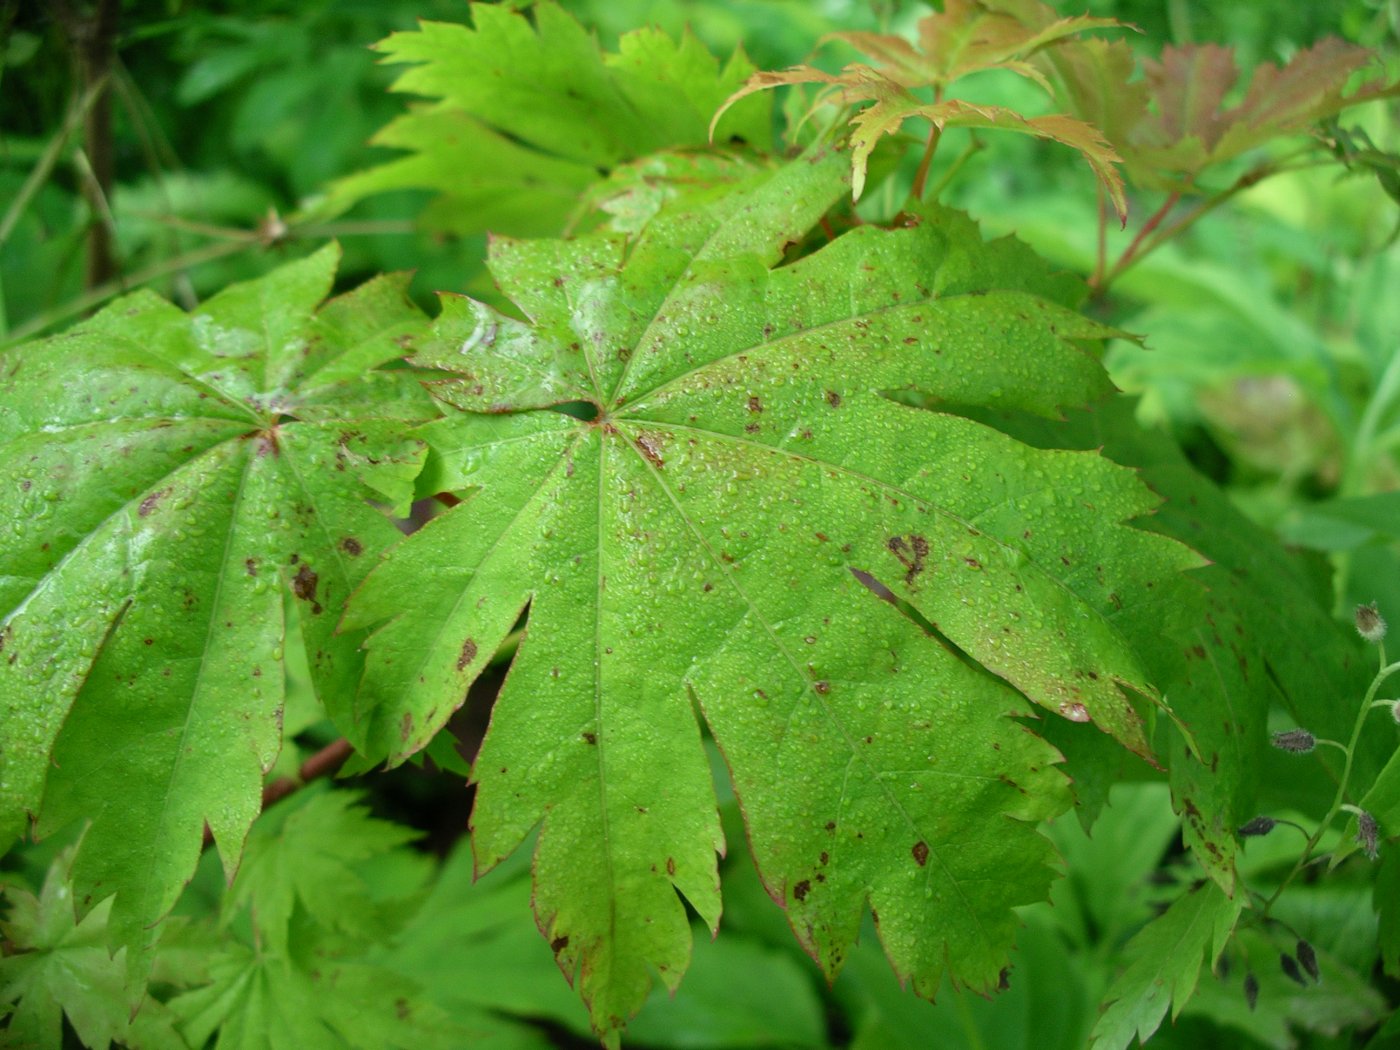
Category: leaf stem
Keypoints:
(1130, 253)
(973, 146)
(1339, 799)
(208, 253)
(39, 174)
(921, 176)
(1101, 254)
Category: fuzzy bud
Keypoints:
(1367, 834)
(1370, 624)
(1298, 741)
(1256, 827)
(1308, 959)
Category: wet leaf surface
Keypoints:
(164, 476)
(718, 535)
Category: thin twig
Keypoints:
(39, 174)
(113, 288)
(921, 176)
(323, 763)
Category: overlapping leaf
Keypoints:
(321, 887)
(719, 533)
(968, 37)
(58, 966)
(165, 477)
(1227, 643)
(538, 113)
(1166, 964)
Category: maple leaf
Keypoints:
(971, 36)
(968, 37)
(58, 966)
(298, 925)
(1166, 957)
(1176, 122)
(537, 113)
(168, 476)
(718, 530)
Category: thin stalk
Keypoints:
(190, 259)
(98, 295)
(974, 145)
(1143, 247)
(1129, 253)
(39, 174)
(1340, 798)
(921, 176)
(1101, 254)
(934, 134)
(93, 41)
(98, 195)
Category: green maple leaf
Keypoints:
(538, 112)
(166, 477)
(289, 965)
(719, 533)
(57, 965)
(1166, 957)
(304, 854)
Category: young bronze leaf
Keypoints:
(1174, 123)
(968, 37)
(167, 477)
(716, 527)
(886, 116)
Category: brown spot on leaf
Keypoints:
(912, 552)
(406, 726)
(304, 587)
(250, 566)
(920, 852)
(755, 405)
(650, 446)
(149, 503)
(801, 889)
(670, 865)
(467, 655)
(558, 944)
(351, 546)
(822, 687)
(833, 399)
(590, 736)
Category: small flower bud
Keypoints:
(1256, 827)
(1367, 833)
(1308, 958)
(1251, 990)
(1370, 624)
(1298, 741)
(1289, 965)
